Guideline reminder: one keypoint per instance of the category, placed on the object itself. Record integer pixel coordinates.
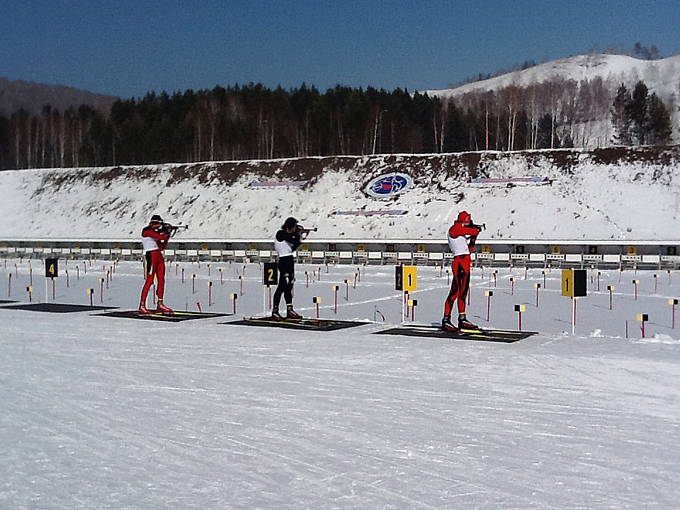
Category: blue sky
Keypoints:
(129, 47)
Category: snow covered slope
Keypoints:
(617, 194)
(661, 76)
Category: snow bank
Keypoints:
(608, 194)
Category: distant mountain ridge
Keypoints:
(573, 75)
(32, 97)
(577, 92)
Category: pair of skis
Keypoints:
(489, 335)
(302, 323)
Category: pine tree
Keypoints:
(639, 114)
(620, 116)
(660, 128)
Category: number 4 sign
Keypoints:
(51, 268)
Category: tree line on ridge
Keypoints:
(255, 122)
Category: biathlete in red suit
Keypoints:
(154, 240)
(462, 236)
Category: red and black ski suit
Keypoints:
(462, 242)
(153, 242)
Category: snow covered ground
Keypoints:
(102, 412)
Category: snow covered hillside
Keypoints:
(607, 194)
(661, 77)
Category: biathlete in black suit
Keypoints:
(286, 242)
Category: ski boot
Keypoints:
(447, 325)
(463, 323)
(143, 310)
(292, 314)
(161, 308)
(276, 315)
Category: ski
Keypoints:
(175, 316)
(488, 335)
(493, 331)
(302, 323)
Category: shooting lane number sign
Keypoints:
(405, 278)
(574, 283)
(51, 268)
(271, 273)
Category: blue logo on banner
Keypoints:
(388, 185)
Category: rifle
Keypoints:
(171, 230)
(305, 231)
(478, 227)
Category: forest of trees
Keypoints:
(254, 122)
(639, 118)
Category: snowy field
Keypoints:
(102, 412)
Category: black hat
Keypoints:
(156, 219)
(290, 223)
